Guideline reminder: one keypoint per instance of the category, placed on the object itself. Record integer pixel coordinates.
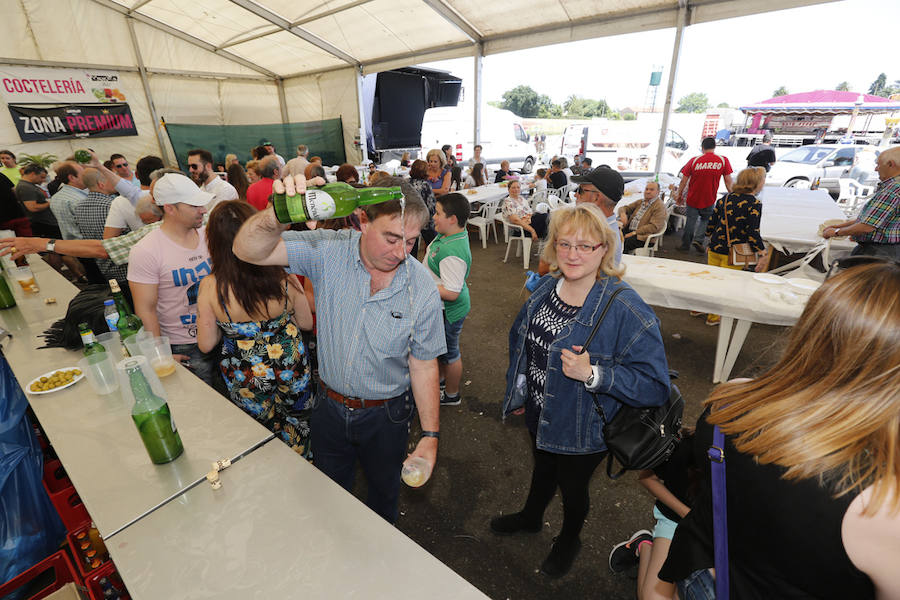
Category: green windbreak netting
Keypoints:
(323, 138)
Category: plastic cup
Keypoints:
(133, 343)
(26, 279)
(100, 371)
(415, 471)
(125, 383)
(159, 353)
(113, 344)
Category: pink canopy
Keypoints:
(823, 101)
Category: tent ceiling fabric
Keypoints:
(290, 38)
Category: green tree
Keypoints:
(782, 91)
(722, 105)
(629, 117)
(495, 103)
(550, 111)
(842, 87)
(693, 103)
(576, 106)
(877, 87)
(525, 102)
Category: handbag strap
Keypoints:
(584, 347)
(716, 454)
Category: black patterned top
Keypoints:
(744, 212)
(547, 322)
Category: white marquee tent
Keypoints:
(246, 62)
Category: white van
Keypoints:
(623, 145)
(502, 135)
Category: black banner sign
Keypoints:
(72, 121)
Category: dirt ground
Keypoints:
(484, 465)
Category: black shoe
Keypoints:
(562, 556)
(514, 523)
(624, 555)
(449, 400)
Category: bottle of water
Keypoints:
(110, 314)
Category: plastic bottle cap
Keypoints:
(108, 302)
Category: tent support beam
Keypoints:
(26, 62)
(282, 101)
(328, 13)
(303, 34)
(684, 17)
(479, 90)
(361, 106)
(164, 153)
(454, 18)
(185, 37)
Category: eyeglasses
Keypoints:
(120, 165)
(193, 166)
(562, 246)
(581, 190)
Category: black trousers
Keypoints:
(571, 473)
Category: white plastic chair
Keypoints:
(679, 220)
(652, 243)
(538, 197)
(522, 242)
(852, 192)
(553, 201)
(484, 218)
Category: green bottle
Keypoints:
(152, 418)
(7, 300)
(82, 156)
(129, 323)
(91, 345)
(331, 201)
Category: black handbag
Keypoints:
(639, 437)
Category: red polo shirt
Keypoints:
(258, 193)
(704, 171)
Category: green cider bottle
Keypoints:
(331, 201)
(129, 323)
(91, 345)
(152, 417)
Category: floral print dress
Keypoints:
(265, 367)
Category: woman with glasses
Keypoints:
(812, 457)
(557, 381)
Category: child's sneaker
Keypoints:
(624, 555)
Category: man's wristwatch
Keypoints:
(51, 246)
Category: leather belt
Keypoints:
(353, 403)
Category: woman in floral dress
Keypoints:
(257, 310)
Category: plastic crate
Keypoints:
(77, 556)
(55, 477)
(70, 508)
(64, 573)
(107, 571)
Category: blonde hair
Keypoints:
(748, 180)
(253, 165)
(442, 158)
(229, 159)
(588, 220)
(830, 408)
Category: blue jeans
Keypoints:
(695, 225)
(451, 335)
(204, 366)
(699, 585)
(376, 437)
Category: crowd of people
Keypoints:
(334, 336)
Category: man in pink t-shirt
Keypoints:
(165, 269)
(701, 178)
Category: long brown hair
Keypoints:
(478, 174)
(251, 286)
(830, 408)
(238, 178)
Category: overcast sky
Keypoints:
(738, 61)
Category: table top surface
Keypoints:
(95, 436)
(791, 218)
(694, 286)
(307, 537)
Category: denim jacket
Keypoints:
(628, 350)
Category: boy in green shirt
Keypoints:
(449, 258)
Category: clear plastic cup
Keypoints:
(133, 343)
(415, 471)
(26, 279)
(113, 344)
(159, 353)
(100, 371)
(149, 374)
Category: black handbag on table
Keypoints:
(639, 437)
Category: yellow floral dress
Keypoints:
(265, 367)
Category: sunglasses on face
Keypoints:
(121, 165)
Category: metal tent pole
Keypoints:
(683, 19)
(479, 56)
(164, 153)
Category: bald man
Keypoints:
(876, 230)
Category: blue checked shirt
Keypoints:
(63, 204)
(365, 340)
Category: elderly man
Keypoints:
(200, 164)
(503, 172)
(643, 217)
(258, 193)
(876, 230)
(604, 188)
(67, 197)
(91, 214)
(297, 165)
(380, 333)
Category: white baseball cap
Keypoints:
(173, 188)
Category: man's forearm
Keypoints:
(258, 237)
(424, 380)
(76, 248)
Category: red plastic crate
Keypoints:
(108, 570)
(77, 556)
(70, 508)
(55, 478)
(64, 573)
